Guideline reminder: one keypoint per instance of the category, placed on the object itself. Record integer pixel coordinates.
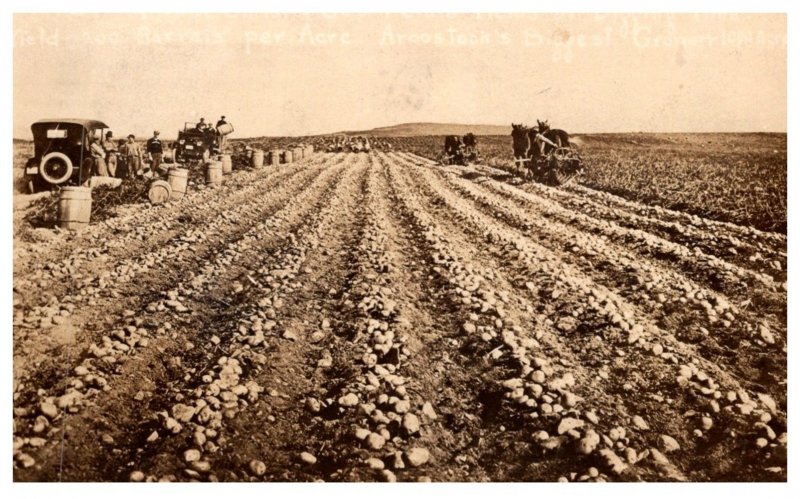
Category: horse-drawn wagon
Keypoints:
(460, 150)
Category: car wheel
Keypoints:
(56, 168)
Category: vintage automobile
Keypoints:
(195, 146)
(61, 152)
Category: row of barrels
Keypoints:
(75, 203)
(278, 156)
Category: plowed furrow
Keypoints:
(118, 244)
(762, 258)
(142, 226)
(369, 411)
(769, 241)
(755, 236)
(675, 303)
(294, 371)
(242, 373)
(122, 291)
(529, 369)
(600, 311)
(189, 305)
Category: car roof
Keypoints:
(75, 121)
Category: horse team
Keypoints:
(546, 154)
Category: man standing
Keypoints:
(222, 138)
(154, 150)
(122, 159)
(133, 157)
(98, 154)
(110, 149)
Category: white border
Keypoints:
(375, 490)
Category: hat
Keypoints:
(156, 132)
(223, 117)
(109, 134)
(131, 136)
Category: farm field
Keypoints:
(358, 317)
(739, 178)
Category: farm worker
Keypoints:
(541, 140)
(222, 138)
(154, 150)
(201, 125)
(98, 154)
(111, 154)
(133, 156)
(122, 159)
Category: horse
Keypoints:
(470, 140)
(521, 143)
(452, 149)
(555, 135)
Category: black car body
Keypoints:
(61, 151)
(195, 145)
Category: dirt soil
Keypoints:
(360, 317)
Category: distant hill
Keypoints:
(416, 129)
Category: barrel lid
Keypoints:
(76, 188)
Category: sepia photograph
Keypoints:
(438, 247)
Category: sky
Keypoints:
(279, 74)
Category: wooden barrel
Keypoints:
(258, 159)
(159, 192)
(287, 156)
(225, 129)
(309, 150)
(178, 179)
(214, 173)
(227, 164)
(297, 153)
(274, 157)
(74, 207)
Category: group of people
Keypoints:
(125, 158)
(121, 158)
(202, 126)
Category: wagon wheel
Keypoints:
(563, 154)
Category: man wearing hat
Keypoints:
(98, 155)
(202, 126)
(133, 156)
(222, 138)
(110, 149)
(154, 150)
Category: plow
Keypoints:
(560, 166)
